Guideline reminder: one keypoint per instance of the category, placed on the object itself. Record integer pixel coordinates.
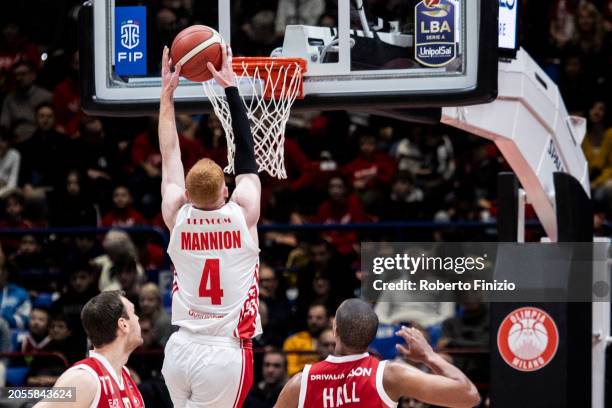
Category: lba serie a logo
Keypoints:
(527, 339)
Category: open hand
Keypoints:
(417, 349)
(225, 77)
(170, 79)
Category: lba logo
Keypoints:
(528, 339)
(131, 40)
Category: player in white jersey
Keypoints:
(213, 246)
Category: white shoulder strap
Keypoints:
(303, 385)
(380, 371)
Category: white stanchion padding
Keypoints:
(533, 130)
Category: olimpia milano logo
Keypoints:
(528, 339)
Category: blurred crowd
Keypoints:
(62, 168)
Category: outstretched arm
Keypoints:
(447, 387)
(248, 185)
(173, 175)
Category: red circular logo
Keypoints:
(527, 339)
(431, 3)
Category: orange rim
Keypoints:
(272, 65)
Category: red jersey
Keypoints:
(349, 381)
(112, 392)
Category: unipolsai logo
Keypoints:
(527, 339)
(130, 34)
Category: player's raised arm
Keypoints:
(447, 387)
(173, 176)
(248, 185)
(85, 389)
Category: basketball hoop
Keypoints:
(274, 85)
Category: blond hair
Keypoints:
(204, 183)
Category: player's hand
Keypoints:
(225, 77)
(417, 349)
(170, 79)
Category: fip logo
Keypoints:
(509, 4)
(528, 339)
(130, 40)
(130, 34)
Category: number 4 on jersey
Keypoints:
(210, 285)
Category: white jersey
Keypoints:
(215, 290)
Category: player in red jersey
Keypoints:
(102, 380)
(352, 378)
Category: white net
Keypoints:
(272, 87)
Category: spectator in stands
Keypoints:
(274, 372)
(326, 344)
(341, 207)
(67, 100)
(405, 201)
(306, 12)
(590, 32)
(18, 108)
(30, 265)
(279, 309)
(126, 271)
(326, 278)
(14, 47)
(70, 205)
(470, 328)
(562, 17)
(118, 247)
(259, 33)
(97, 157)
(428, 154)
(597, 146)
(15, 303)
(123, 213)
(306, 341)
(61, 330)
(151, 307)
(81, 287)
(574, 81)
(147, 361)
(10, 165)
(37, 338)
(13, 217)
(150, 254)
(46, 142)
(371, 172)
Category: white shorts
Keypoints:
(207, 371)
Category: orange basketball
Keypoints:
(193, 48)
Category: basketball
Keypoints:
(193, 48)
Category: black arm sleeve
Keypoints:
(244, 159)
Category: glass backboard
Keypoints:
(373, 54)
